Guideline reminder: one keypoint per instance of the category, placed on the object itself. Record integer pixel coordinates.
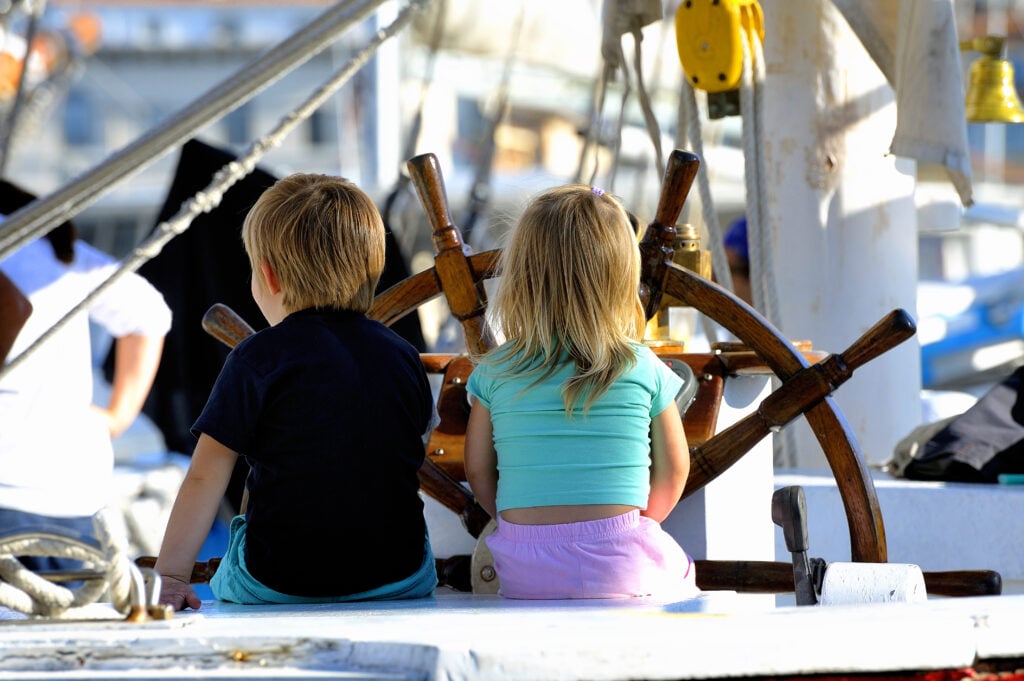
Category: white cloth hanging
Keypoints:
(915, 45)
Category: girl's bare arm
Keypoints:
(670, 463)
(481, 460)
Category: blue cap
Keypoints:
(736, 237)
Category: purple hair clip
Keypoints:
(597, 191)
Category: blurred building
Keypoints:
(153, 59)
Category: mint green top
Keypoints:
(547, 459)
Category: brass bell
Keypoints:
(991, 93)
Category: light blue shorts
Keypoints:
(625, 556)
(233, 582)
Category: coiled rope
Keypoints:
(111, 572)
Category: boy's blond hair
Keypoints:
(569, 291)
(324, 238)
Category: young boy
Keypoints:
(328, 408)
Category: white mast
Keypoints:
(841, 214)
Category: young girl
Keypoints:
(575, 444)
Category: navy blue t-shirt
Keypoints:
(328, 408)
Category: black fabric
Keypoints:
(206, 265)
(980, 444)
(328, 408)
(62, 237)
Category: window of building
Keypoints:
(81, 122)
(321, 128)
(238, 124)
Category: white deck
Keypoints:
(462, 636)
(720, 635)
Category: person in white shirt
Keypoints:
(56, 456)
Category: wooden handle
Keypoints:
(463, 290)
(680, 172)
(812, 384)
(15, 310)
(441, 486)
(889, 332)
(425, 172)
(803, 390)
(657, 245)
(226, 325)
(202, 571)
(755, 576)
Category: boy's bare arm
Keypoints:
(191, 517)
(670, 463)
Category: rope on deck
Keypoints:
(111, 572)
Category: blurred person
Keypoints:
(737, 253)
(56, 454)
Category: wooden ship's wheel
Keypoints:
(807, 380)
(805, 386)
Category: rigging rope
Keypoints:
(43, 214)
(651, 122)
(7, 134)
(481, 190)
(694, 139)
(590, 144)
(210, 197)
(408, 236)
(759, 233)
(612, 62)
(627, 90)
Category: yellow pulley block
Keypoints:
(709, 39)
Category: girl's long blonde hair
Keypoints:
(569, 291)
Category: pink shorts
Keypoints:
(621, 557)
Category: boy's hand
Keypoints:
(178, 594)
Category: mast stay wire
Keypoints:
(644, 98)
(407, 238)
(209, 198)
(480, 191)
(7, 132)
(613, 58)
(44, 213)
(593, 133)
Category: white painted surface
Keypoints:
(936, 525)
(460, 636)
(841, 215)
(730, 518)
